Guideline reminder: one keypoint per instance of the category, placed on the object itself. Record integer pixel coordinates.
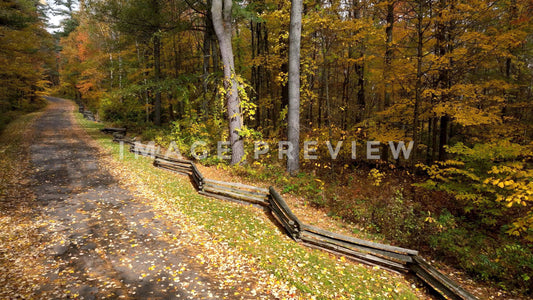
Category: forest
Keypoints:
(27, 58)
(453, 79)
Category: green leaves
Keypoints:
(494, 178)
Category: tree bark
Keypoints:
(388, 56)
(208, 37)
(418, 88)
(293, 115)
(443, 136)
(221, 14)
(157, 75)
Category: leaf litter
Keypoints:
(80, 235)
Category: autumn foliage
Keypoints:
(452, 76)
(25, 58)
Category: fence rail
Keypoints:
(389, 257)
(150, 150)
(123, 139)
(237, 191)
(284, 215)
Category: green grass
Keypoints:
(313, 272)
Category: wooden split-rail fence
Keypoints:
(386, 256)
(87, 114)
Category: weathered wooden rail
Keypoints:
(87, 114)
(235, 192)
(386, 256)
(111, 130)
(150, 150)
(123, 139)
(284, 215)
(389, 257)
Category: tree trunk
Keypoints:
(221, 13)
(259, 47)
(434, 139)
(388, 56)
(157, 75)
(208, 36)
(418, 88)
(512, 17)
(443, 136)
(428, 141)
(361, 99)
(345, 93)
(293, 121)
(444, 44)
(111, 62)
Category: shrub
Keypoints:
(125, 111)
(493, 182)
(503, 261)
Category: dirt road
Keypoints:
(103, 241)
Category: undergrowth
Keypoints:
(388, 205)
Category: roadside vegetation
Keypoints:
(314, 273)
(456, 211)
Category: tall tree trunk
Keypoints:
(293, 121)
(221, 13)
(418, 88)
(429, 138)
(345, 93)
(434, 139)
(443, 136)
(444, 44)
(208, 36)
(361, 99)
(259, 47)
(321, 97)
(256, 84)
(512, 16)
(157, 75)
(385, 102)
(358, 12)
(325, 84)
(388, 56)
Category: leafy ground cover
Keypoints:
(384, 204)
(20, 244)
(313, 273)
